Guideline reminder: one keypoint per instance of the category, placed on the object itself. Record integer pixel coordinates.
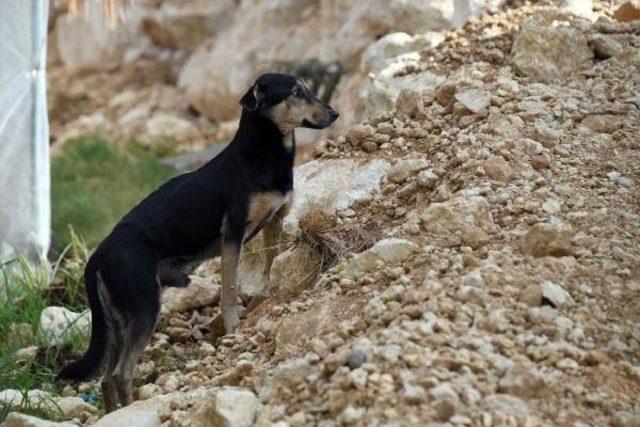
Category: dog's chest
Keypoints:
(262, 207)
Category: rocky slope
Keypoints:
(497, 204)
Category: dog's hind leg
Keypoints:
(109, 393)
(136, 337)
(113, 347)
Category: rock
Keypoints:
(498, 169)
(506, 405)
(583, 8)
(382, 92)
(622, 419)
(405, 168)
(349, 180)
(603, 46)
(226, 407)
(545, 135)
(16, 419)
(89, 41)
(546, 239)
(10, 397)
(167, 126)
(58, 325)
(27, 353)
(474, 100)
(540, 162)
(628, 11)
(130, 416)
(351, 415)
(199, 293)
(601, 123)
(522, 382)
(427, 179)
(74, 407)
(294, 270)
(414, 394)
(470, 217)
(531, 295)
(356, 359)
(185, 25)
(391, 251)
(623, 181)
(377, 56)
(557, 296)
(548, 49)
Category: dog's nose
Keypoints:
(333, 114)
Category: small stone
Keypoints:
(427, 179)
(498, 169)
(356, 359)
(369, 146)
(227, 407)
(627, 11)
(414, 394)
(625, 419)
(405, 168)
(474, 99)
(540, 162)
(351, 415)
(604, 47)
(522, 382)
(557, 296)
(531, 295)
(545, 239)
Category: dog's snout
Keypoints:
(333, 114)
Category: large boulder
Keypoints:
(95, 39)
(349, 181)
(550, 48)
(185, 24)
(381, 93)
(220, 70)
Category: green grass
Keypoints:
(25, 293)
(94, 183)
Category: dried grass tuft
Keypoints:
(321, 232)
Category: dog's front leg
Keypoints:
(231, 245)
(271, 237)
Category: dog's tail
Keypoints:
(89, 365)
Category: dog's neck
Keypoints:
(263, 132)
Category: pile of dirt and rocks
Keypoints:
(497, 199)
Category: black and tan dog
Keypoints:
(198, 215)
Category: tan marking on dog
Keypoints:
(262, 206)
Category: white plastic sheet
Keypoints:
(24, 130)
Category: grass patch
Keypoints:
(25, 292)
(94, 183)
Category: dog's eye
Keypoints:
(297, 92)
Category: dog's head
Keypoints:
(287, 102)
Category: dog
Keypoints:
(212, 211)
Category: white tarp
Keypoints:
(24, 130)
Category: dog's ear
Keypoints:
(253, 99)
